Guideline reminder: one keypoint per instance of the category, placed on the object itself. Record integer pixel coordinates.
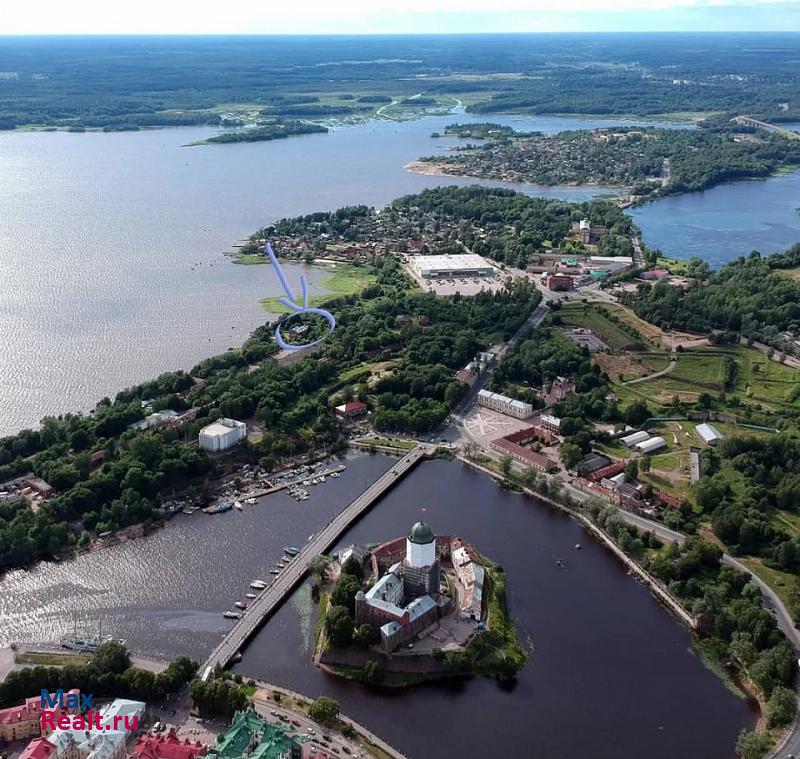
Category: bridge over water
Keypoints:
(274, 595)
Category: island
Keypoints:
(418, 608)
(274, 129)
(639, 162)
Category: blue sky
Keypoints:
(395, 16)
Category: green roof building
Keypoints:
(251, 737)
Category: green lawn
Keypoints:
(758, 379)
(343, 280)
(405, 445)
(51, 659)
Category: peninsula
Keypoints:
(640, 162)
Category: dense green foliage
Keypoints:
(629, 156)
(218, 697)
(730, 619)
(748, 295)
(276, 130)
(122, 82)
(510, 227)
(108, 674)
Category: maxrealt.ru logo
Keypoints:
(55, 708)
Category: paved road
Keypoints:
(282, 586)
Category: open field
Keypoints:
(791, 273)
(758, 379)
(594, 316)
(344, 280)
(51, 659)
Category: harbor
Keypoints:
(283, 584)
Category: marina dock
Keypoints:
(274, 595)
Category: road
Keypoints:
(673, 362)
(274, 595)
(305, 725)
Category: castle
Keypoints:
(412, 595)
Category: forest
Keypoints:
(751, 296)
(149, 81)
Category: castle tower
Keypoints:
(420, 546)
(420, 567)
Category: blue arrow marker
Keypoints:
(294, 308)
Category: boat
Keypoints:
(231, 614)
(241, 604)
(219, 508)
(187, 511)
(238, 505)
(335, 474)
(250, 501)
(280, 566)
(274, 571)
(291, 550)
(322, 478)
(258, 584)
(250, 595)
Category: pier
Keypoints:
(274, 595)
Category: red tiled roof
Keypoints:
(533, 458)
(168, 747)
(38, 748)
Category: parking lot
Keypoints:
(461, 285)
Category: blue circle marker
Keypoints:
(295, 308)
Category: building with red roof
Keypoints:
(38, 748)
(351, 409)
(22, 721)
(166, 747)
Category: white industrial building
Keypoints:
(464, 265)
(709, 434)
(651, 444)
(637, 437)
(222, 435)
(504, 404)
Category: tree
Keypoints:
(781, 707)
(752, 745)
(637, 413)
(571, 455)
(505, 465)
(645, 463)
(372, 672)
(353, 567)
(365, 635)
(111, 657)
(632, 469)
(344, 594)
(339, 626)
(324, 710)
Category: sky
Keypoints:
(393, 16)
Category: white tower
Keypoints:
(420, 546)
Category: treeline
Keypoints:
(109, 673)
(733, 627)
(749, 296)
